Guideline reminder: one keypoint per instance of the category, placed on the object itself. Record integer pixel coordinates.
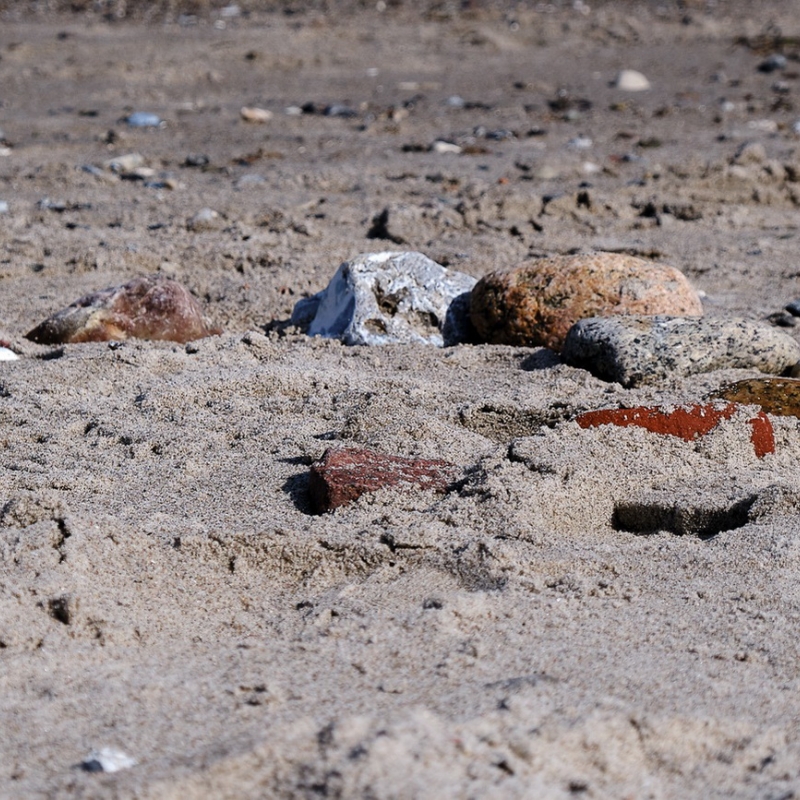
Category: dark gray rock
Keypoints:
(634, 350)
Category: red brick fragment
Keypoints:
(686, 422)
(342, 476)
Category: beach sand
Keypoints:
(165, 590)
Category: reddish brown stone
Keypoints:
(539, 301)
(687, 422)
(342, 476)
(152, 307)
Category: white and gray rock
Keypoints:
(107, 759)
(206, 219)
(630, 80)
(636, 350)
(391, 297)
(7, 354)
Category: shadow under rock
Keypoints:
(543, 358)
(297, 487)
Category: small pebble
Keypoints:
(440, 146)
(7, 355)
(773, 63)
(794, 308)
(782, 319)
(107, 759)
(253, 114)
(763, 125)
(196, 160)
(204, 220)
(143, 119)
(339, 110)
(580, 143)
(126, 163)
(4, 209)
(629, 80)
(454, 101)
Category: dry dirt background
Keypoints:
(163, 589)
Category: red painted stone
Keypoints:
(153, 307)
(686, 422)
(342, 476)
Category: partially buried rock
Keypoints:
(539, 301)
(685, 422)
(342, 476)
(392, 297)
(638, 350)
(152, 307)
(778, 396)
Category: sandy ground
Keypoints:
(164, 590)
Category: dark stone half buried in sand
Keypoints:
(539, 301)
(152, 307)
(342, 476)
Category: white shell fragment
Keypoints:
(7, 355)
(390, 297)
(629, 80)
(107, 760)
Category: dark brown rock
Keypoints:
(342, 476)
(686, 422)
(779, 396)
(539, 301)
(153, 307)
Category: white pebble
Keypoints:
(629, 80)
(7, 355)
(445, 147)
(253, 114)
(107, 760)
(763, 125)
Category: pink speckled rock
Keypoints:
(539, 301)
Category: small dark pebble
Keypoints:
(775, 62)
(794, 308)
(196, 160)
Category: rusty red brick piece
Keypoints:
(686, 422)
(342, 476)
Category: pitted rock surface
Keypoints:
(538, 302)
(637, 350)
(391, 297)
(342, 476)
(152, 307)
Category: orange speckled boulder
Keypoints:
(536, 303)
(152, 307)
